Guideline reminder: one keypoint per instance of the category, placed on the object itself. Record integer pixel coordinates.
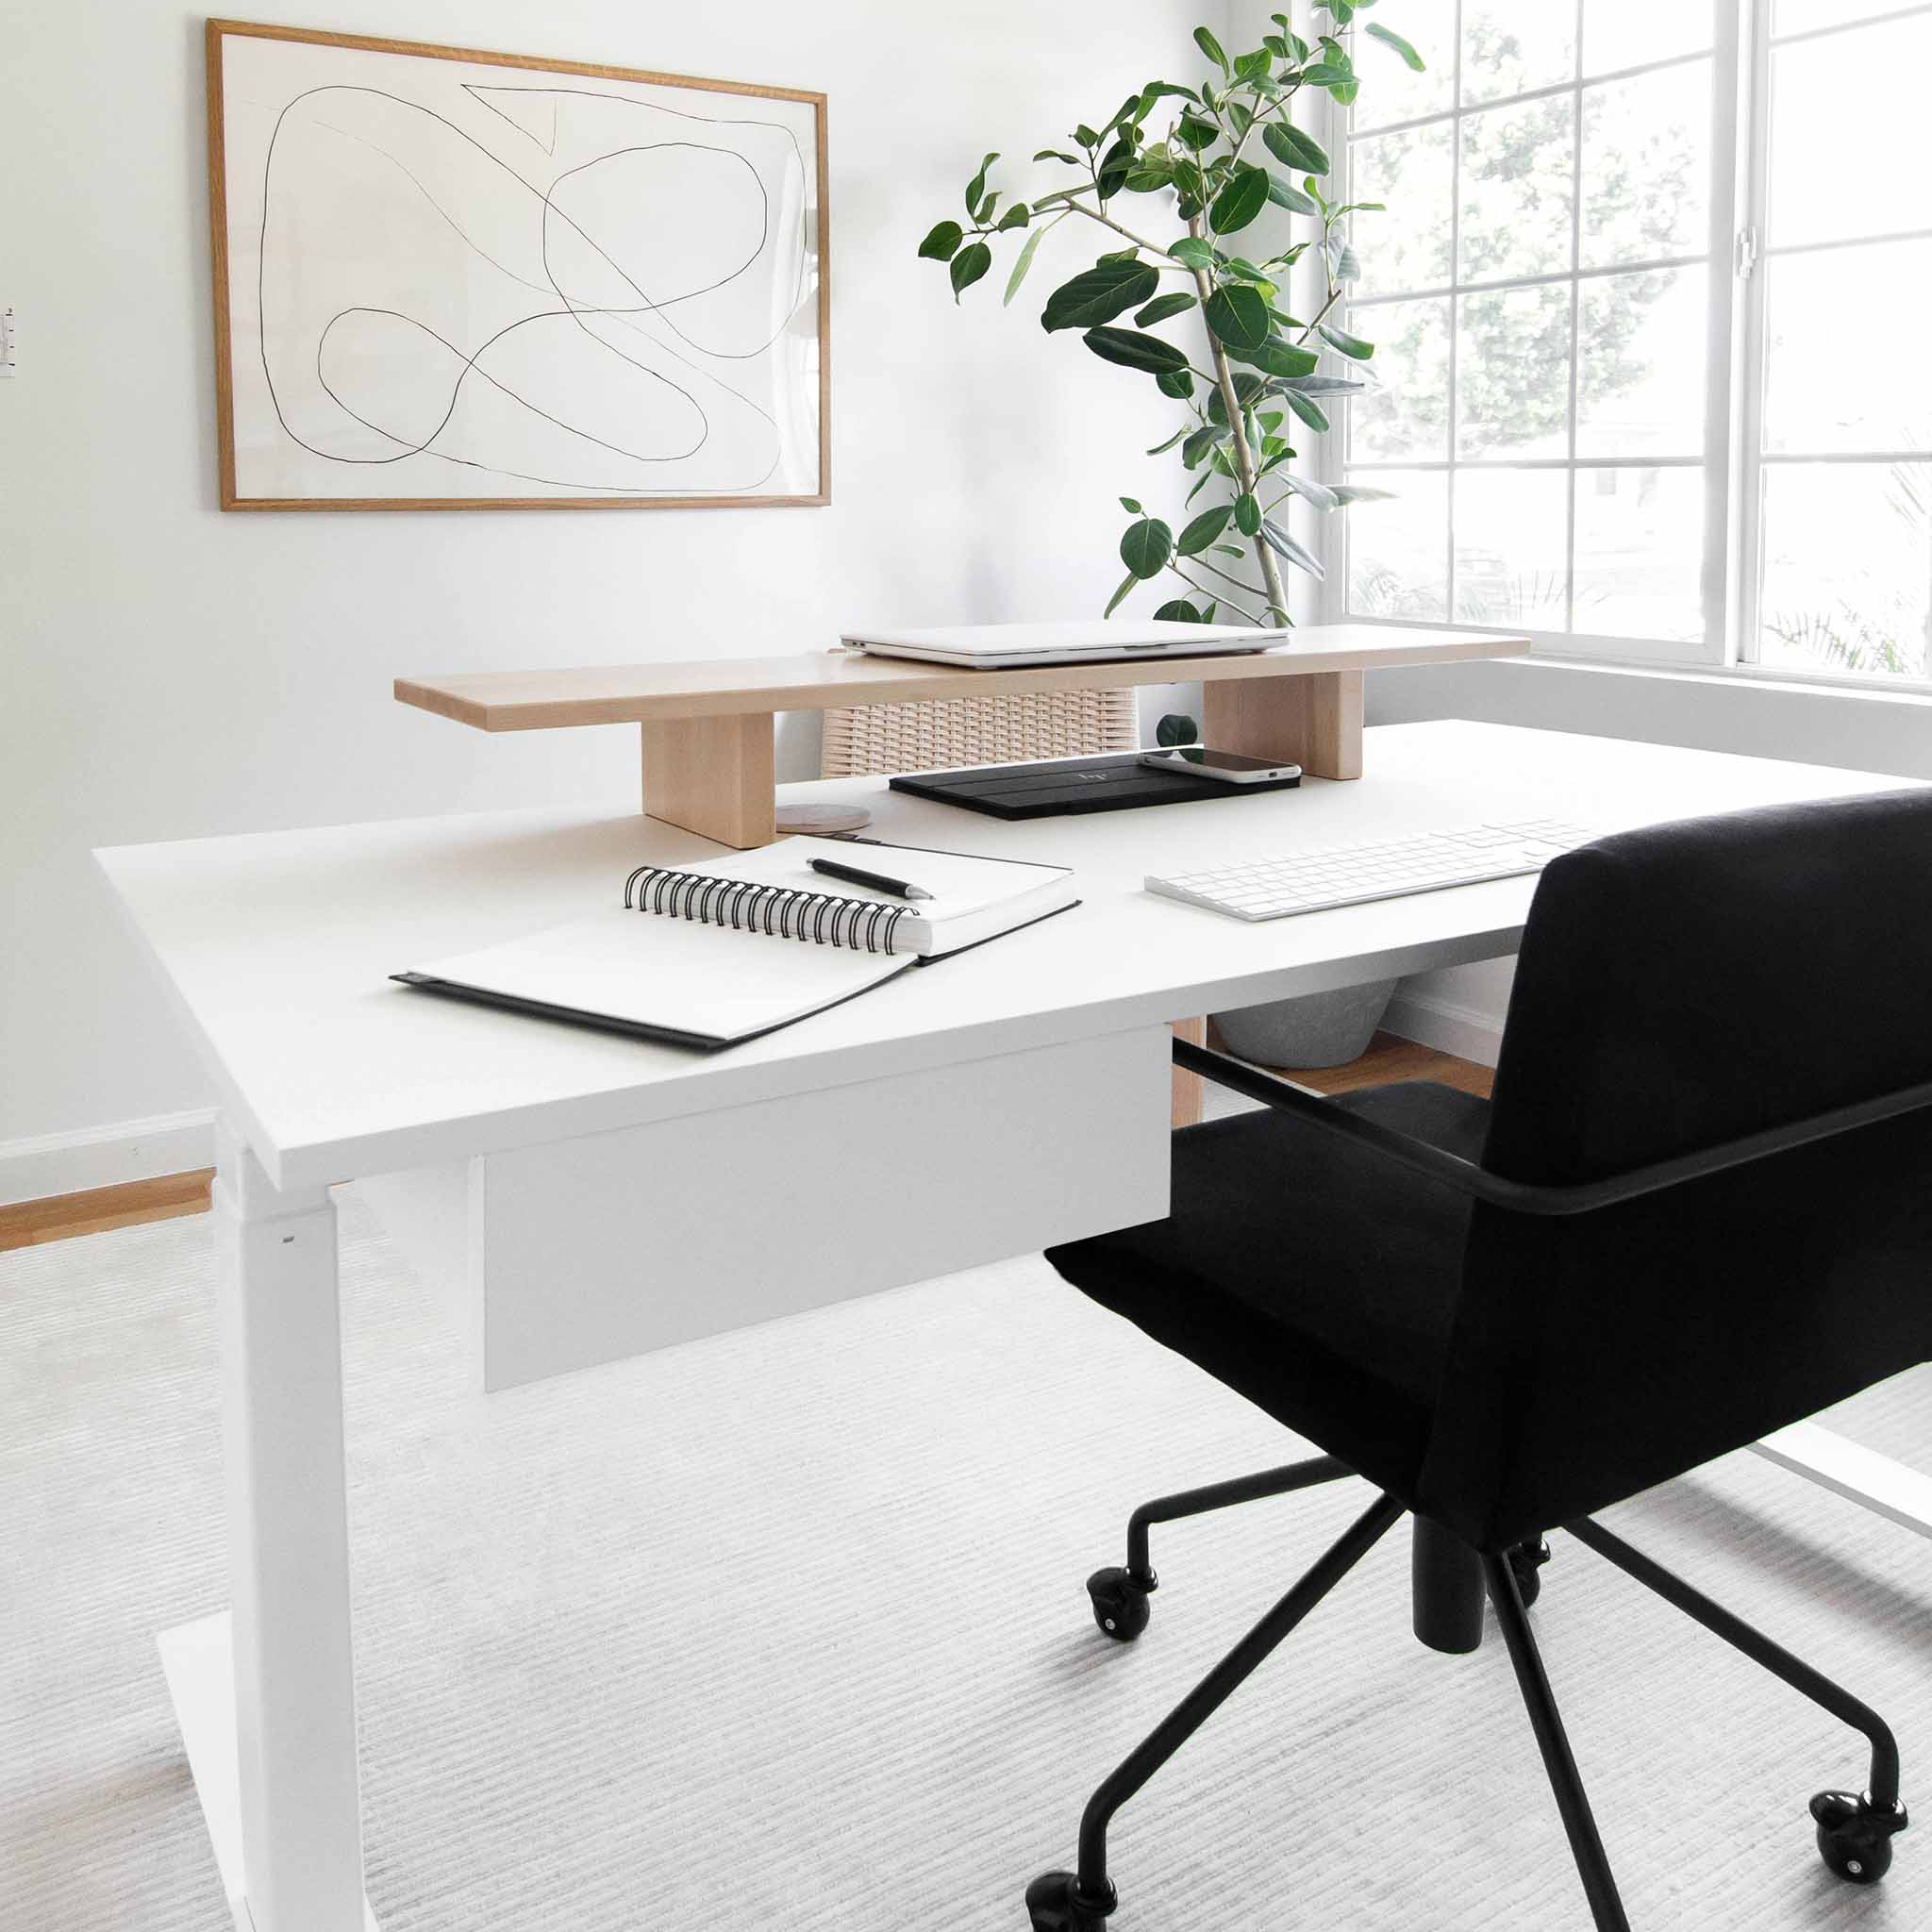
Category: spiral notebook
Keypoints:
(712, 958)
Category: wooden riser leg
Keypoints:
(1190, 1090)
(714, 776)
(1314, 721)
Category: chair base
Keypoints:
(1853, 1830)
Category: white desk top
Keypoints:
(278, 945)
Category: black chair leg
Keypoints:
(1080, 1901)
(1855, 1830)
(1606, 1907)
(1445, 1586)
(1120, 1595)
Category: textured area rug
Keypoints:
(785, 1629)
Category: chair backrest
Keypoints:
(861, 739)
(1678, 988)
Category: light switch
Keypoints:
(7, 341)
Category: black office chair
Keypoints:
(1695, 1210)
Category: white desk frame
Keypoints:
(276, 948)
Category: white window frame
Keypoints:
(1735, 351)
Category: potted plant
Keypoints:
(1242, 369)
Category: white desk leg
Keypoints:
(283, 1804)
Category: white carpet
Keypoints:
(785, 1630)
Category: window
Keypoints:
(1607, 218)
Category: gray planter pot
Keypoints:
(1321, 1029)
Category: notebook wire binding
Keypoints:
(789, 913)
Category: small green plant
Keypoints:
(1207, 163)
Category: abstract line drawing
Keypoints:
(438, 284)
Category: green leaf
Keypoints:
(1160, 91)
(976, 187)
(1177, 728)
(1345, 494)
(1294, 149)
(1306, 408)
(943, 243)
(1113, 602)
(1279, 357)
(1178, 383)
(1390, 38)
(1099, 293)
(1086, 136)
(1328, 73)
(1134, 351)
(1195, 133)
(1203, 530)
(1345, 344)
(1146, 547)
(1160, 449)
(1056, 154)
(1015, 217)
(1163, 306)
(1022, 265)
(1305, 486)
(1132, 508)
(1114, 167)
(1292, 199)
(1344, 264)
(969, 265)
(1321, 385)
(1247, 514)
(1237, 315)
(1240, 202)
(1280, 542)
(1194, 252)
(1200, 441)
(1211, 47)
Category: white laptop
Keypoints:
(1076, 640)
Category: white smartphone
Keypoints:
(1227, 767)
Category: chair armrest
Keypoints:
(1524, 1197)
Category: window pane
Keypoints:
(1642, 343)
(1513, 373)
(1801, 16)
(1389, 91)
(1398, 551)
(1847, 567)
(1406, 419)
(1843, 150)
(1510, 46)
(1629, 33)
(1511, 530)
(1646, 167)
(1516, 190)
(1639, 552)
(1815, 404)
(1407, 247)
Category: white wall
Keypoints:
(168, 672)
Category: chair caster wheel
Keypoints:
(1854, 1835)
(1527, 1561)
(1119, 1604)
(1055, 1904)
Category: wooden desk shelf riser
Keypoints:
(708, 727)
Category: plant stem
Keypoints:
(1244, 456)
(1095, 215)
(1253, 589)
(1216, 596)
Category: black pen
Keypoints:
(852, 874)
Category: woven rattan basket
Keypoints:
(864, 739)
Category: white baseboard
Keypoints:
(1465, 1031)
(49, 1164)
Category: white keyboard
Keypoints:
(1351, 875)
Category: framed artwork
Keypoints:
(454, 280)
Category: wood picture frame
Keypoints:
(462, 206)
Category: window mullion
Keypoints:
(1576, 333)
(1750, 152)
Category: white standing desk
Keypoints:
(1011, 1097)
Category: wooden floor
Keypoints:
(61, 1216)
(93, 1211)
